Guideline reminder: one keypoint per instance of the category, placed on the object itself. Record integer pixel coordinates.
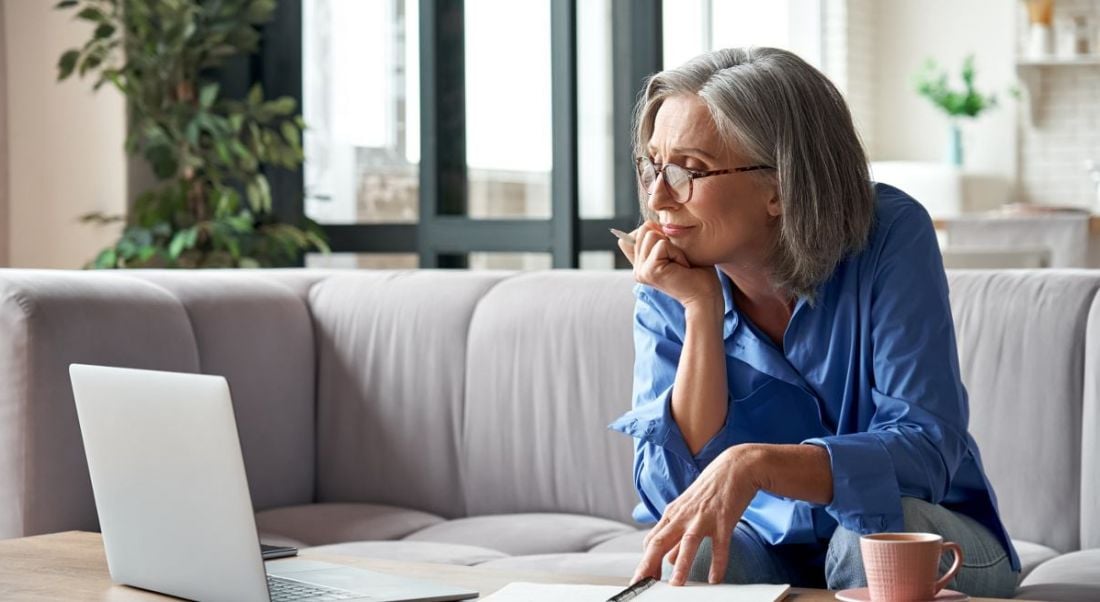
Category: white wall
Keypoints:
(1066, 129)
(4, 237)
(64, 145)
(907, 126)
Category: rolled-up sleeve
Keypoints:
(917, 435)
(663, 464)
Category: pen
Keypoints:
(622, 235)
(633, 591)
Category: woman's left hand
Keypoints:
(710, 507)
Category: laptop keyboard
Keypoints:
(282, 589)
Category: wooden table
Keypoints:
(72, 566)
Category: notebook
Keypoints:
(660, 592)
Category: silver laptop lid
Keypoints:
(169, 482)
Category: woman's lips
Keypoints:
(675, 230)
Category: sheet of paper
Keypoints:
(661, 592)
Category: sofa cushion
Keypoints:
(518, 534)
(551, 357)
(319, 524)
(1032, 555)
(1070, 577)
(611, 565)
(628, 542)
(1021, 338)
(413, 551)
(391, 353)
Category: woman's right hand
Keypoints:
(662, 265)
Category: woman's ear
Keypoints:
(775, 206)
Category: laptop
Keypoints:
(173, 500)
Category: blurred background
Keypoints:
(495, 133)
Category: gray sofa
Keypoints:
(461, 416)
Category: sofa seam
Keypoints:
(462, 476)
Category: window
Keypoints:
(360, 93)
(435, 131)
(692, 27)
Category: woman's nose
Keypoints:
(661, 199)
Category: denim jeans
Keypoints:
(838, 563)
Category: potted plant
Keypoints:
(211, 205)
(966, 103)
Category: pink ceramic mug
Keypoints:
(902, 567)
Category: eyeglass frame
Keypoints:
(659, 169)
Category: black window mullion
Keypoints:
(564, 218)
(280, 73)
(443, 185)
(636, 54)
(636, 47)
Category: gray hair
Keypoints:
(780, 111)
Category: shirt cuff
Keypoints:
(653, 423)
(866, 497)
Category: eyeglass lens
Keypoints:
(676, 177)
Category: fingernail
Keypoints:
(622, 235)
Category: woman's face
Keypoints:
(730, 218)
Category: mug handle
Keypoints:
(942, 583)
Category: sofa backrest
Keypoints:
(549, 367)
(392, 356)
(1022, 340)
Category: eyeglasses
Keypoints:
(679, 181)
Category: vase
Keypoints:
(955, 145)
(1040, 41)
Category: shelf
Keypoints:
(1092, 59)
(941, 223)
(1030, 72)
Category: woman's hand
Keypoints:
(662, 265)
(710, 507)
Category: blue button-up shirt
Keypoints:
(869, 371)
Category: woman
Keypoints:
(796, 380)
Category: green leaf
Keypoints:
(91, 61)
(265, 192)
(192, 132)
(256, 95)
(292, 134)
(184, 239)
(127, 248)
(281, 106)
(67, 63)
(104, 31)
(223, 152)
(91, 14)
(66, 4)
(192, 237)
(107, 258)
(208, 95)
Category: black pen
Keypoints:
(633, 591)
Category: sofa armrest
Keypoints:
(48, 320)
